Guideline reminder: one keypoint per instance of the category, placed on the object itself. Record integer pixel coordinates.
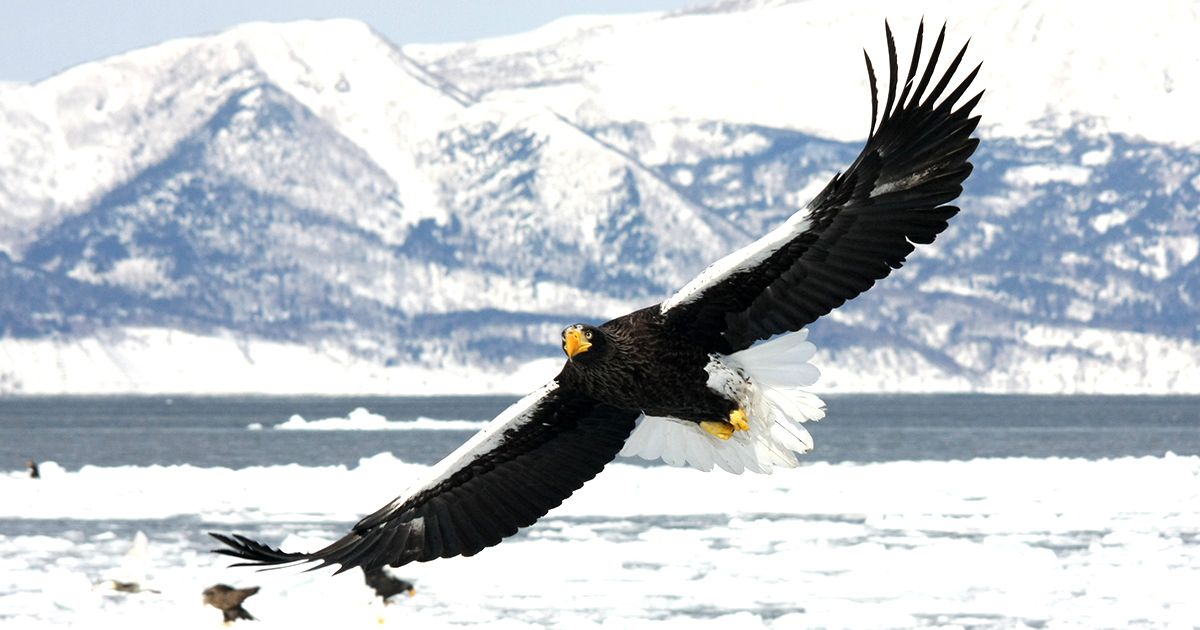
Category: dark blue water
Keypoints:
(211, 431)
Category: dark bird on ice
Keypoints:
(34, 473)
(229, 600)
(710, 376)
(385, 584)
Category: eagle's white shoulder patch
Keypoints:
(745, 258)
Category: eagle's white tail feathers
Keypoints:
(775, 406)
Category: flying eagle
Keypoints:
(686, 380)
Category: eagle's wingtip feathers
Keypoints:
(253, 553)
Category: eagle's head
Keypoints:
(582, 342)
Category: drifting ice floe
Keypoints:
(362, 420)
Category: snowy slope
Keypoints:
(80, 133)
(310, 190)
(1107, 61)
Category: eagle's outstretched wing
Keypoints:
(523, 464)
(860, 227)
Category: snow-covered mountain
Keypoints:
(306, 207)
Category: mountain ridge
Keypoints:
(374, 212)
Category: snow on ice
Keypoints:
(982, 543)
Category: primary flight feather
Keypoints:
(690, 380)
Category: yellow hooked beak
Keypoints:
(574, 343)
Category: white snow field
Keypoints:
(990, 543)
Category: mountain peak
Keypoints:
(83, 132)
(300, 32)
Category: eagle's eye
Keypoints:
(587, 334)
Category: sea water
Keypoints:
(931, 510)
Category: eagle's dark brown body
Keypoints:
(645, 365)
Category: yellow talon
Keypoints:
(725, 430)
(737, 418)
(722, 430)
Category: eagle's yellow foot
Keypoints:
(737, 418)
(722, 430)
(725, 430)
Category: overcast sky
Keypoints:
(39, 38)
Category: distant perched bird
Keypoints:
(34, 473)
(125, 587)
(686, 380)
(229, 600)
(385, 585)
(132, 572)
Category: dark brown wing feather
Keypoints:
(563, 440)
(861, 226)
